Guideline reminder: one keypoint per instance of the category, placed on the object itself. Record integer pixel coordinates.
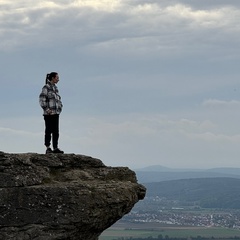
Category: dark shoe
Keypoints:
(57, 150)
(49, 150)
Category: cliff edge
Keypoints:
(62, 196)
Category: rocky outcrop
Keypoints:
(62, 196)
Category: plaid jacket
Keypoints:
(50, 100)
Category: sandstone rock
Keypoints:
(62, 196)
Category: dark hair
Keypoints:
(50, 76)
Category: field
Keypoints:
(154, 229)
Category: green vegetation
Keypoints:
(222, 193)
(160, 237)
(177, 233)
(187, 209)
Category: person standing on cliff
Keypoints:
(51, 103)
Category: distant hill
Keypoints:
(204, 192)
(156, 168)
(234, 171)
(160, 173)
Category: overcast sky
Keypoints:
(143, 82)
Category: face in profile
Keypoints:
(55, 79)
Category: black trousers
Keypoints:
(51, 130)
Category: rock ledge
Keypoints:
(62, 196)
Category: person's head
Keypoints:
(52, 77)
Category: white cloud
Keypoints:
(109, 25)
(105, 5)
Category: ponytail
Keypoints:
(47, 78)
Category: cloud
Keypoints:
(133, 140)
(119, 26)
(9, 130)
(18, 140)
(221, 103)
(143, 140)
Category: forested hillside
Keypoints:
(175, 174)
(204, 192)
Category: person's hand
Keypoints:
(49, 111)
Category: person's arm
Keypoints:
(43, 99)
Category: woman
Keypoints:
(51, 103)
